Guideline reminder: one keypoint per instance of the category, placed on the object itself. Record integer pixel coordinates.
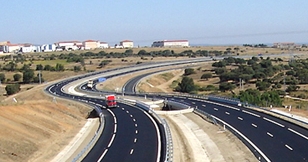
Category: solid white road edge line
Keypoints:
(158, 135)
(245, 138)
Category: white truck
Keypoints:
(90, 84)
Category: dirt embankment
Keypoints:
(37, 127)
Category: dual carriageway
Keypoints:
(131, 134)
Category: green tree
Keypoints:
(17, 77)
(189, 71)
(47, 67)
(262, 85)
(292, 88)
(2, 77)
(206, 76)
(27, 75)
(59, 67)
(226, 86)
(186, 85)
(12, 89)
(142, 52)
(77, 68)
(39, 67)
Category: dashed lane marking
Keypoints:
(251, 113)
(269, 134)
(298, 133)
(254, 125)
(273, 122)
(290, 148)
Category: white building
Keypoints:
(103, 45)
(171, 43)
(68, 45)
(48, 47)
(127, 44)
(30, 48)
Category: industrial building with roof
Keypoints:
(171, 43)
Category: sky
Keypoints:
(144, 21)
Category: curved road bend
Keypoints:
(279, 140)
(134, 137)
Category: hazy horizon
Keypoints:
(199, 21)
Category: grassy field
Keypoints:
(241, 50)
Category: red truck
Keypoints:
(110, 101)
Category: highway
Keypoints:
(279, 140)
(128, 132)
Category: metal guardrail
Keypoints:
(255, 150)
(93, 140)
(169, 144)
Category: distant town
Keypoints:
(8, 47)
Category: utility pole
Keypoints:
(240, 83)
(39, 73)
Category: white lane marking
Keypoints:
(135, 140)
(273, 122)
(112, 138)
(122, 108)
(100, 158)
(127, 111)
(298, 133)
(203, 105)
(115, 128)
(227, 113)
(193, 102)
(131, 151)
(131, 115)
(251, 113)
(240, 118)
(254, 125)
(290, 148)
(136, 125)
(269, 134)
(136, 132)
(215, 109)
(134, 119)
(115, 120)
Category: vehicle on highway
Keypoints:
(110, 101)
(90, 84)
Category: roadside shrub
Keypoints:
(12, 89)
